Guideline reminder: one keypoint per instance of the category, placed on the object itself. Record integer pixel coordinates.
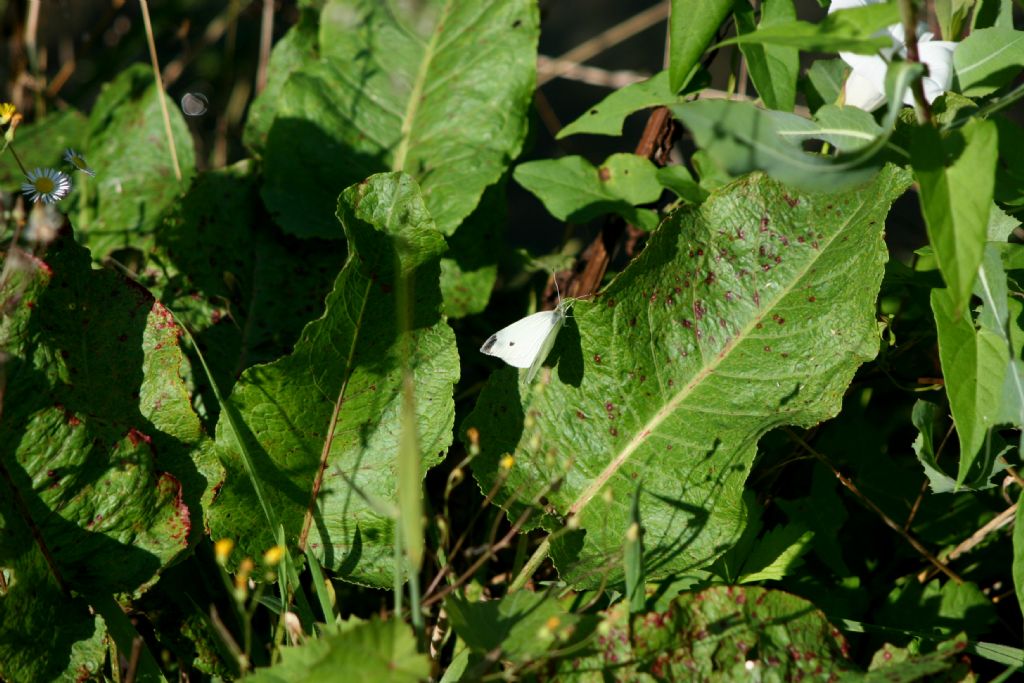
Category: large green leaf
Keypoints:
(382, 651)
(956, 173)
(725, 633)
(748, 312)
(343, 383)
(440, 90)
(691, 28)
(127, 147)
(244, 289)
(102, 481)
(988, 59)
(773, 68)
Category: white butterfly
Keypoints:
(527, 342)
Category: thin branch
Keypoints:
(613, 36)
(868, 503)
(591, 75)
(266, 37)
(492, 550)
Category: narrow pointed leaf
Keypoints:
(957, 178)
(344, 379)
(440, 90)
(748, 312)
(773, 68)
(691, 28)
(607, 116)
(824, 82)
(848, 30)
(1018, 551)
(974, 365)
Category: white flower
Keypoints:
(46, 184)
(865, 87)
(78, 161)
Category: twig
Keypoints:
(924, 484)
(214, 30)
(591, 75)
(162, 96)
(133, 661)
(998, 522)
(31, 35)
(492, 550)
(266, 36)
(867, 502)
(547, 114)
(613, 36)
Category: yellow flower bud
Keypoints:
(222, 550)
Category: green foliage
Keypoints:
(778, 433)
(103, 471)
(342, 384)
(679, 366)
(773, 68)
(421, 97)
(606, 117)
(988, 59)
(742, 138)
(691, 29)
(573, 189)
(850, 30)
(374, 651)
(121, 208)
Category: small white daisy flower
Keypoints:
(47, 184)
(78, 161)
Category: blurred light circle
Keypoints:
(194, 104)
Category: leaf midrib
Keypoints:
(989, 57)
(335, 416)
(684, 392)
(413, 105)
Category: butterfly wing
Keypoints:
(547, 344)
(525, 343)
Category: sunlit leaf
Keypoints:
(750, 311)
(342, 385)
